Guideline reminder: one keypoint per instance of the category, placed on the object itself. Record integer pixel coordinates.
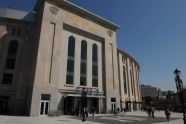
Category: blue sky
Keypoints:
(152, 31)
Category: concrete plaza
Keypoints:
(128, 118)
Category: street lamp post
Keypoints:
(179, 86)
(84, 99)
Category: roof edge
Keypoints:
(15, 14)
(81, 10)
(123, 52)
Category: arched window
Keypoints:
(94, 65)
(83, 69)
(12, 53)
(84, 50)
(95, 53)
(124, 80)
(132, 82)
(70, 60)
(71, 46)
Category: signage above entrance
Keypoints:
(90, 91)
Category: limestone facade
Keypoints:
(129, 78)
(61, 51)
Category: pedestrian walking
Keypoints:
(149, 111)
(167, 114)
(86, 111)
(93, 111)
(125, 110)
(152, 111)
(115, 112)
(118, 110)
(122, 110)
(83, 113)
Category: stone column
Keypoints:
(132, 106)
(100, 67)
(134, 80)
(100, 105)
(89, 64)
(129, 79)
(77, 61)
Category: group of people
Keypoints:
(85, 111)
(80, 112)
(118, 111)
(150, 112)
(72, 111)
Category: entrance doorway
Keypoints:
(44, 109)
(4, 107)
(44, 104)
(73, 105)
(113, 104)
(69, 106)
(93, 103)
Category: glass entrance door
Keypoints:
(44, 107)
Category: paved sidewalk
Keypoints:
(160, 114)
(41, 120)
(157, 114)
(178, 121)
(71, 120)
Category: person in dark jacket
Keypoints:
(167, 114)
(92, 111)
